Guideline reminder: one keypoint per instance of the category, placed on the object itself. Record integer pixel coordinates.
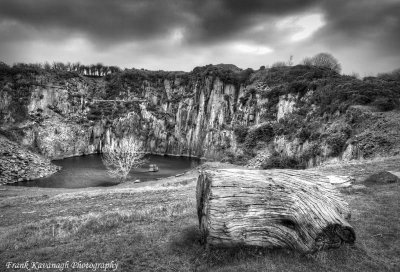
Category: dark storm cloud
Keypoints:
(366, 21)
(221, 19)
(102, 19)
(204, 20)
(201, 30)
(142, 19)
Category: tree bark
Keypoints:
(272, 208)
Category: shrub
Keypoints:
(279, 64)
(340, 93)
(262, 133)
(315, 135)
(385, 104)
(304, 134)
(289, 124)
(311, 152)
(248, 94)
(251, 140)
(241, 159)
(285, 75)
(282, 161)
(337, 142)
(298, 86)
(392, 76)
(227, 73)
(229, 157)
(307, 61)
(240, 133)
(151, 107)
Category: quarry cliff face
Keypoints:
(169, 118)
(217, 113)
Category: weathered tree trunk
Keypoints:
(271, 208)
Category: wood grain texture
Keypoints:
(272, 208)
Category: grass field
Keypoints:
(155, 228)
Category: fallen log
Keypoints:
(271, 208)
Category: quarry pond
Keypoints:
(89, 171)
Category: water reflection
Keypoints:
(89, 171)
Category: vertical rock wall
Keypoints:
(192, 119)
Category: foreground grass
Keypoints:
(156, 230)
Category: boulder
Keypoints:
(383, 177)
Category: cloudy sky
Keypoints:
(364, 35)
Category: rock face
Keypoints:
(191, 119)
(285, 105)
(18, 164)
(190, 114)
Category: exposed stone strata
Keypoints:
(19, 164)
(286, 105)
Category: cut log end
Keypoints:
(333, 236)
(271, 208)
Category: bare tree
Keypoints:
(120, 159)
(290, 62)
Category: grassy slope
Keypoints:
(155, 229)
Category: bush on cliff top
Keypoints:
(341, 93)
(328, 91)
(227, 73)
(289, 74)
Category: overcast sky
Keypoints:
(364, 35)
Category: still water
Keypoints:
(89, 171)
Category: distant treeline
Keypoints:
(88, 70)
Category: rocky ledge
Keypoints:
(19, 164)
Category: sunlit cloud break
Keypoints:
(304, 26)
(252, 49)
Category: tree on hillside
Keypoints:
(47, 66)
(324, 60)
(99, 67)
(120, 159)
(114, 69)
